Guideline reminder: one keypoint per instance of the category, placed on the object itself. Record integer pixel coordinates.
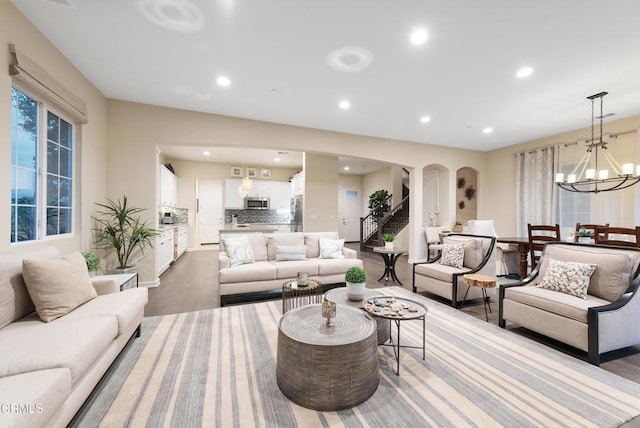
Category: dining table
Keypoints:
(523, 250)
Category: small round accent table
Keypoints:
(483, 282)
(327, 368)
(390, 257)
(339, 295)
(294, 295)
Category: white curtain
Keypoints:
(535, 188)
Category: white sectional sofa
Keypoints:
(48, 369)
(265, 275)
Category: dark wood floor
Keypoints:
(191, 284)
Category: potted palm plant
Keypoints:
(118, 229)
(388, 240)
(356, 280)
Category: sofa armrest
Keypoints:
(349, 253)
(223, 261)
(105, 286)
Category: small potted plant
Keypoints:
(584, 235)
(356, 280)
(93, 262)
(388, 240)
(457, 226)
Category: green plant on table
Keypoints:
(584, 232)
(93, 261)
(355, 275)
(389, 237)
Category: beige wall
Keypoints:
(320, 203)
(90, 141)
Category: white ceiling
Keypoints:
(275, 52)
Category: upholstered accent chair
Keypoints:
(507, 256)
(445, 279)
(603, 318)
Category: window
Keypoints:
(574, 207)
(41, 170)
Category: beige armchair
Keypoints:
(507, 256)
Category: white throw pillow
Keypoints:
(238, 250)
(291, 252)
(452, 255)
(58, 286)
(331, 248)
(568, 277)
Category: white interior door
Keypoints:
(210, 212)
(351, 212)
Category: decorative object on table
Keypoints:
(294, 296)
(457, 226)
(587, 176)
(303, 279)
(388, 239)
(329, 311)
(93, 262)
(118, 228)
(356, 280)
(583, 235)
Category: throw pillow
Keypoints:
(568, 277)
(238, 250)
(57, 286)
(331, 248)
(452, 255)
(291, 252)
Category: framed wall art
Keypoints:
(252, 172)
(236, 171)
(265, 173)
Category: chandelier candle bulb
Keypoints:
(571, 178)
(603, 174)
(590, 174)
(627, 168)
(559, 177)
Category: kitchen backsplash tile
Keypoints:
(181, 215)
(257, 216)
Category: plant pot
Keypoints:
(388, 245)
(355, 290)
(584, 239)
(92, 273)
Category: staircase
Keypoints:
(372, 228)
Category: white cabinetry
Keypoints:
(181, 236)
(280, 195)
(232, 198)
(261, 189)
(165, 250)
(297, 184)
(168, 187)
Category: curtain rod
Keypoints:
(611, 135)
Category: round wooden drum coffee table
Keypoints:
(327, 368)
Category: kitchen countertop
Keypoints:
(165, 227)
(251, 227)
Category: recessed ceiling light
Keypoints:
(419, 36)
(276, 159)
(223, 81)
(487, 130)
(425, 119)
(345, 104)
(274, 91)
(524, 72)
(206, 153)
(346, 168)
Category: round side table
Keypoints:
(339, 295)
(390, 257)
(327, 368)
(483, 282)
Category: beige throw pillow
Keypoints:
(58, 286)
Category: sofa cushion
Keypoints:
(61, 343)
(439, 271)
(571, 278)
(290, 253)
(238, 250)
(290, 269)
(611, 278)
(331, 248)
(258, 271)
(472, 249)
(554, 302)
(124, 305)
(57, 286)
(336, 266)
(15, 302)
(295, 238)
(42, 391)
(452, 255)
(312, 242)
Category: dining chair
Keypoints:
(539, 235)
(618, 236)
(591, 227)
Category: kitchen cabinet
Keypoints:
(261, 189)
(165, 248)
(232, 198)
(297, 184)
(181, 238)
(168, 187)
(280, 195)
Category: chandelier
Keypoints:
(587, 177)
(247, 184)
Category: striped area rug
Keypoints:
(216, 368)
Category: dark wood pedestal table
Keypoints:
(327, 368)
(390, 257)
(339, 295)
(397, 309)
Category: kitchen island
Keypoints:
(255, 228)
